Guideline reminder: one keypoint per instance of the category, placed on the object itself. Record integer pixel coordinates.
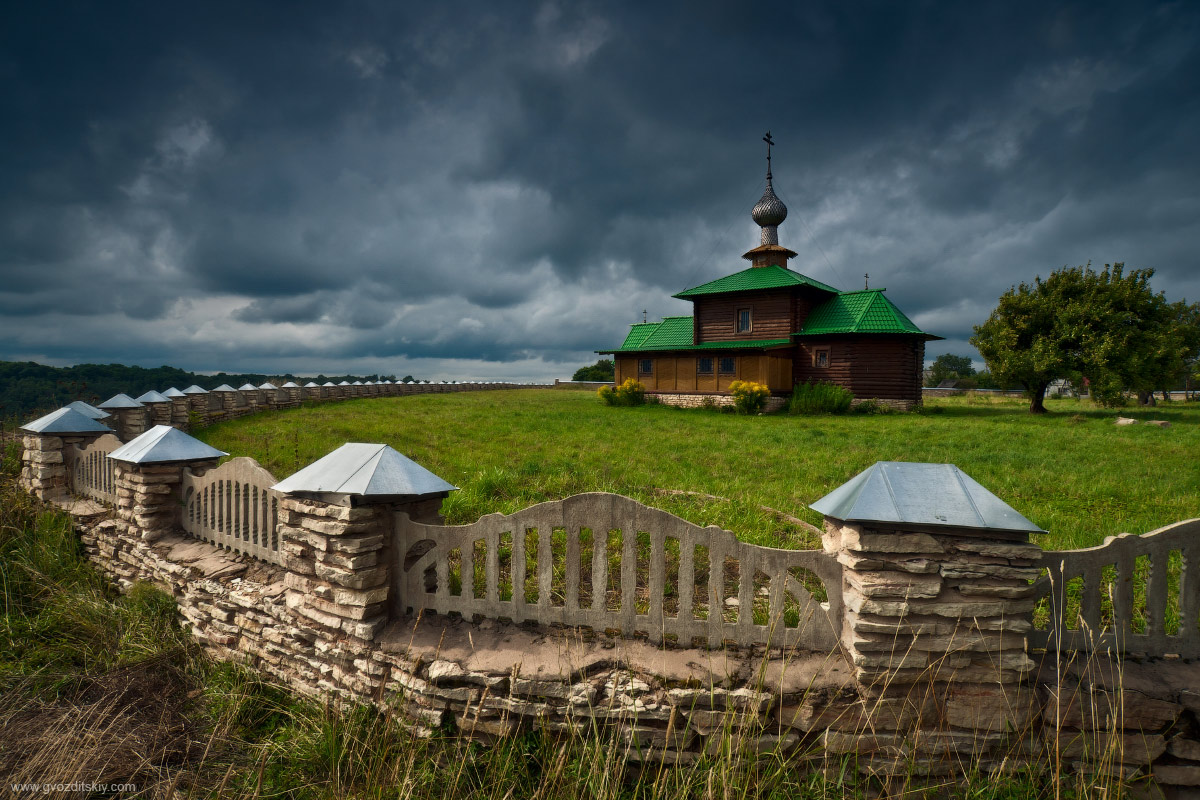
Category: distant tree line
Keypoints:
(602, 370)
(27, 387)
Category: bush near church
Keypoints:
(820, 397)
(629, 393)
(749, 397)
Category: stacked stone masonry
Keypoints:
(711, 400)
(933, 679)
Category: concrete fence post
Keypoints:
(337, 530)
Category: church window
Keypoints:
(645, 366)
(821, 358)
(728, 366)
(704, 366)
(743, 321)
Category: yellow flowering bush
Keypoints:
(629, 393)
(749, 397)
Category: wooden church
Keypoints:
(775, 326)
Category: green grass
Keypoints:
(102, 687)
(1071, 472)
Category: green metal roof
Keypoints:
(638, 334)
(865, 311)
(773, 277)
(671, 333)
(675, 333)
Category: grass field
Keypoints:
(100, 687)
(1072, 472)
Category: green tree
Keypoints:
(947, 367)
(602, 370)
(1107, 326)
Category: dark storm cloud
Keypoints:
(225, 186)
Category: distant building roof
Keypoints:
(753, 279)
(65, 420)
(366, 470)
(907, 493)
(164, 444)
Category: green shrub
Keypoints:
(749, 397)
(819, 397)
(629, 393)
(873, 406)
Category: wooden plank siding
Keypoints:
(676, 372)
(869, 366)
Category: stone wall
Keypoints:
(930, 683)
(710, 400)
(932, 674)
(895, 405)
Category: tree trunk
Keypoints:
(1146, 399)
(1036, 397)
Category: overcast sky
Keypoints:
(496, 190)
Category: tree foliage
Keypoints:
(1105, 325)
(947, 367)
(602, 370)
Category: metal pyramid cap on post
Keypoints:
(328, 383)
(247, 387)
(88, 410)
(366, 470)
(311, 385)
(173, 392)
(224, 387)
(268, 385)
(66, 420)
(291, 385)
(909, 493)
(345, 383)
(120, 401)
(163, 444)
(153, 397)
(194, 389)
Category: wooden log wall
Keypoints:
(869, 366)
(774, 314)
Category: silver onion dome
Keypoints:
(770, 210)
